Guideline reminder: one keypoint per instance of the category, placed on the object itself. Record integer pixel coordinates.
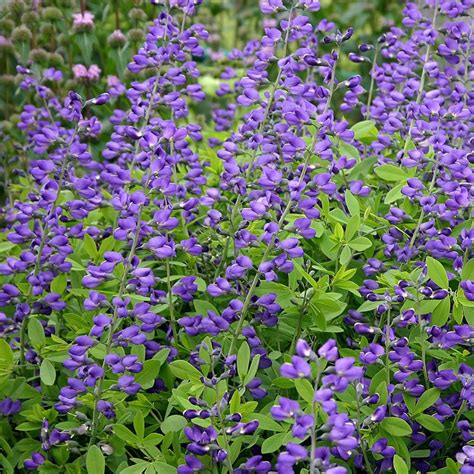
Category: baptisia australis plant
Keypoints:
(246, 282)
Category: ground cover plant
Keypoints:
(257, 260)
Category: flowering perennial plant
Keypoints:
(275, 275)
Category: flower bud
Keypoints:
(51, 14)
(21, 34)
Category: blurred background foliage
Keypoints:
(243, 21)
(41, 31)
(41, 34)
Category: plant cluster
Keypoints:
(269, 273)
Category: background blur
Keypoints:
(61, 34)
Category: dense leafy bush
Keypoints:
(264, 268)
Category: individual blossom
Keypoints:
(83, 21)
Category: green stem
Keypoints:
(170, 301)
(62, 175)
(359, 425)
(300, 322)
(236, 208)
(314, 414)
(372, 82)
(387, 346)
(422, 214)
(114, 325)
(287, 209)
(456, 418)
(265, 256)
(422, 337)
(224, 434)
(422, 82)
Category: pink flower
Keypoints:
(79, 71)
(83, 20)
(82, 73)
(94, 72)
(112, 81)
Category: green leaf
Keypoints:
(6, 246)
(349, 150)
(396, 426)
(243, 360)
(151, 368)
(352, 203)
(440, 314)
(107, 245)
(452, 466)
(394, 194)
(317, 317)
(281, 382)
(410, 402)
(47, 372)
(59, 284)
(391, 173)
(173, 424)
(36, 332)
(84, 41)
(430, 423)
(305, 274)
(95, 462)
(6, 358)
(428, 399)
(253, 370)
(139, 424)
(272, 444)
(29, 426)
(365, 130)
(368, 306)
(360, 244)
(234, 404)
(136, 468)
(346, 255)
(202, 307)
(6, 465)
(399, 465)
(125, 434)
(437, 272)
(152, 439)
(352, 227)
(381, 389)
(266, 422)
(468, 270)
(363, 168)
(182, 369)
(305, 390)
(163, 468)
(420, 453)
(339, 232)
(90, 247)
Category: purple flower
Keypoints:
(371, 353)
(162, 247)
(9, 407)
(192, 466)
(468, 288)
(255, 464)
(285, 409)
(466, 459)
(328, 350)
(298, 368)
(127, 384)
(36, 460)
(186, 288)
(344, 373)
